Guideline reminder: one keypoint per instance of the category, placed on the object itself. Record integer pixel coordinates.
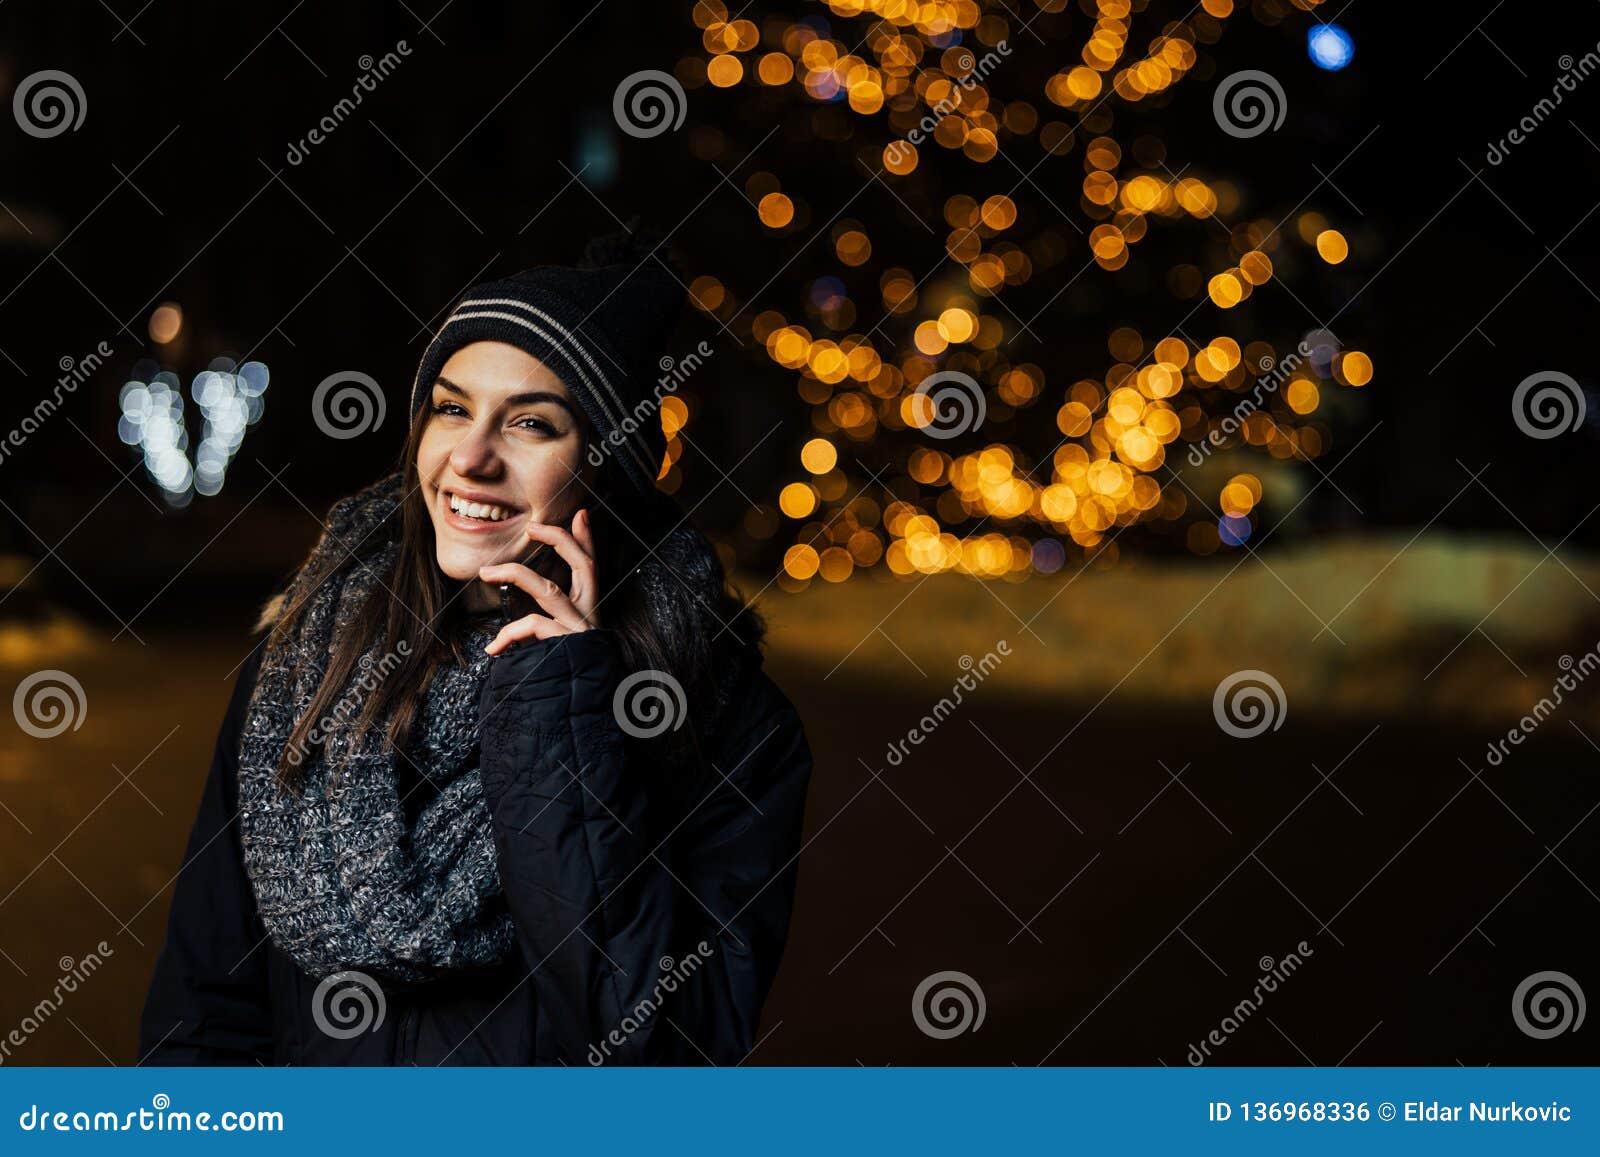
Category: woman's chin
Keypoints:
(463, 564)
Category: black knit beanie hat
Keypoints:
(600, 327)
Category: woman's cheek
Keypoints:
(430, 455)
(554, 485)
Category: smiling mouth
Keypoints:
(478, 511)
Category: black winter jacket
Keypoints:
(650, 909)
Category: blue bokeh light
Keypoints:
(827, 293)
(1048, 556)
(1233, 529)
(1330, 47)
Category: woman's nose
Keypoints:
(475, 454)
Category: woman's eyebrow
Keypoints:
(529, 398)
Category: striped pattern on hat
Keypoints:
(601, 331)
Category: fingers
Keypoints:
(550, 597)
(576, 547)
(529, 627)
(583, 532)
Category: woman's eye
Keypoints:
(447, 408)
(538, 425)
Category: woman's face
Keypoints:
(503, 444)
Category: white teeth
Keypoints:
(482, 511)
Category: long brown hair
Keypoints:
(419, 610)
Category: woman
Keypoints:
(475, 832)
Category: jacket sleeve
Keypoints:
(208, 1002)
(652, 904)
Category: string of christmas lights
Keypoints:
(991, 260)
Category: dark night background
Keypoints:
(1427, 894)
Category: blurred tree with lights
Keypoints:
(1023, 325)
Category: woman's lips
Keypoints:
(475, 525)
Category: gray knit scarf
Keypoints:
(340, 882)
